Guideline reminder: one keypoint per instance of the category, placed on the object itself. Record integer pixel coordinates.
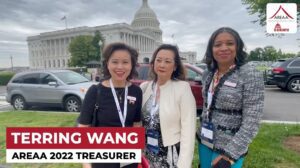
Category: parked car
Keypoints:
(202, 66)
(63, 88)
(286, 75)
(194, 77)
(268, 72)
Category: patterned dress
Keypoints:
(167, 157)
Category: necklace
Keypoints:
(120, 94)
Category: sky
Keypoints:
(191, 21)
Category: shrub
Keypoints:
(5, 77)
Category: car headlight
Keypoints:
(83, 90)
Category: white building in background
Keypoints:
(188, 57)
(50, 49)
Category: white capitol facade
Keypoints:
(50, 49)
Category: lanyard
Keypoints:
(213, 84)
(122, 116)
(155, 105)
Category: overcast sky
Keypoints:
(191, 22)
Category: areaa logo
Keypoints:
(285, 16)
(281, 18)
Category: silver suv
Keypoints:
(62, 88)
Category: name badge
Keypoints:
(207, 134)
(131, 99)
(152, 141)
(231, 84)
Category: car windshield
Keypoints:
(71, 78)
(276, 64)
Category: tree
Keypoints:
(97, 38)
(256, 54)
(269, 54)
(82, 50)
(289, 55)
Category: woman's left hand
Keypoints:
(216, 160)
(137, 124)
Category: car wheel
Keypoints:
(294, 85)
(72, 104)
(19, 103)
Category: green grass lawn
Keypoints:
(265, 151)
(34, 119)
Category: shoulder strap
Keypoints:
(94, 121)
(98, 96)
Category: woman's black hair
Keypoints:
(241, 55)
(110, 49)
(179, 72)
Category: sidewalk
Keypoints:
(4, 166)
(2, 97)
(3, 101)
(2, 90)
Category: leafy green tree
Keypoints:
(269, 54)
(96, 39)
(82, 50)
(289, 55)
(256, 54)
(280, 54)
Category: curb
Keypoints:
(279, 122)
(271, 86)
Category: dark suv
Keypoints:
(194, 77)
(286, 75)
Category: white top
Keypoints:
(177, 112)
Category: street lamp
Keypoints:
(11, 61)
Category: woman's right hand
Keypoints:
(86, 165)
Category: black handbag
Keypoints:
(96, 109)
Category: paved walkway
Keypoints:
(3, 103)
(2, 90)
(4, 166)
(2, 97)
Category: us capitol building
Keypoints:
(50, 49)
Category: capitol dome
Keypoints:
(145, 17)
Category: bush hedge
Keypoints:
(5, 77)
